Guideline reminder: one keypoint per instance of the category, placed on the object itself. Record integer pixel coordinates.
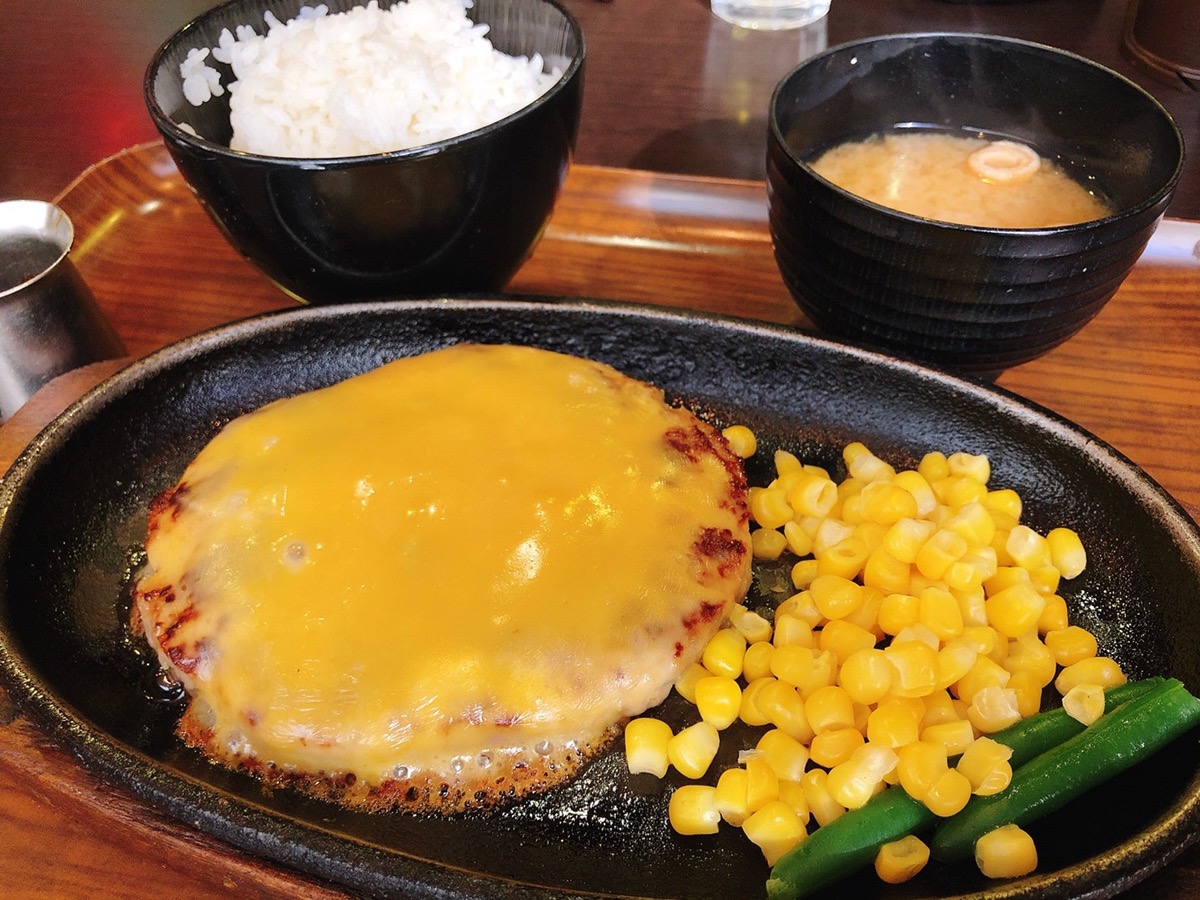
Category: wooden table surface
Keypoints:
(655, 210)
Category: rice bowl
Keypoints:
(459, 214)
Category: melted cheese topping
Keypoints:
(478, 551)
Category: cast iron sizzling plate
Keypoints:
(72, 514)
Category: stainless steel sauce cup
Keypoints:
(49, 320)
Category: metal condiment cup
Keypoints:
(49, 320)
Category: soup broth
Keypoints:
(963, 180)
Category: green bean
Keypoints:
(851, 841)
(1117, 740)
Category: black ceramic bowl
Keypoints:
(976, 300)
(457, 215)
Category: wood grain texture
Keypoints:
(161, 271)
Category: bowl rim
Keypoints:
(171, 129)
(777, 138)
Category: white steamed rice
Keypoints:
(363, 81)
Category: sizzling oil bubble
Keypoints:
(295, 555)
(167, 687)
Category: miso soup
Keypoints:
(963, 180)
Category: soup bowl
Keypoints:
(973, 299)
(459, 214)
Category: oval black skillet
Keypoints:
(72, 514)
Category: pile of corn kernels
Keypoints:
(926, 617)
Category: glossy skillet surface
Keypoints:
(72, 514)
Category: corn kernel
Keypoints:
(955, 660)
(914, 482)
(803, 573)
(799, 541)
(988, 641)
(887, 503)
(971, 465)
(1055, 616)
(892, 725)
(752, 626)
(905, 538)
(792, 793)
(1084, 703)
(724, 652)
(719, 700)
(1015, 610)
(756, 663)
(812, 495)
(829, 707)
(646, 742)
(900, 861)
(1071, 644)
(1095, 670)
(767, 543)
(793, 664)
(1006, 501)
(974, 523)
(938, 610)
(836, 596)
(885, 572)
(801, 606)
(762, 784)
(866, 616)
(1066, 552)
(1024, 684)
(693, 749)
(919, 765)
(686, 685)
(1045, 580)
(830, 533)
(793, 631)
(898, 611)
(845, 559)
(957, 491)
(866, 675)
(1006, 852)
(864, 465)
(972, 604)
(741, 440)
(775, 829)
(1027, 548)
(934, 466)
(821, 804)
(730, 797)
(787, 757)
(948, 794)
(937, 553)
(938, 707)
(986, 764)
(769, 507)
(784, 708)
(829, 748)
(786, 462)
(954, 736)
(692, 809)
(962, 576)
(853, 782)
(1005, 576)
(994, 708)
(985, 673)
(750, 711)
(843, 639)
(915, 666)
